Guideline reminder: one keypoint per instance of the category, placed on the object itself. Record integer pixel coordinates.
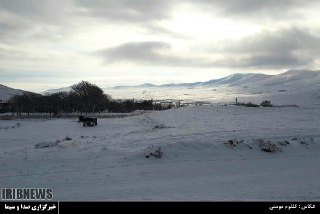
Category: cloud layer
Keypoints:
(81, 37)
(279, 49)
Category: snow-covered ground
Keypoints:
(216, 153)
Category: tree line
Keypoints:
(265, 103)
(83, 98)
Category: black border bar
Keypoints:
(63, 207)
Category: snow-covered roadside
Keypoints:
(210, 153)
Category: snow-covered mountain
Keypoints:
(52, 91)
(290, 77)
(6, 93)
(293, 78)
(294, 87)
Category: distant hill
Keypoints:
(293, 78)
(6, 93)
(145, 85)
(52, 91)
(289, 78)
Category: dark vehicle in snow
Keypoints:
(88, 121)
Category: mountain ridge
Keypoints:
(238, 79)
(292, 78)
(6, 92)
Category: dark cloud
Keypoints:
(146, 13)
(285, 39)
(153, 53)
(278, 49)
(135, 52)
(18, 16)
(128, 11)
(142, 13)
(34, 19)
(249, 8)
(45, 10)
(285, 48)
(24, 8)
(276, 60)
(146, 10)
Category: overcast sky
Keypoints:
(48, 44)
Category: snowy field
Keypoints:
(211, 153)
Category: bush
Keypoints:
(267, 146)
(266, 103)
(157, 153)
(249, 104)
(68, 138)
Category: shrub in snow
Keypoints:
(157, 153)
(249, 104)
(266, 103)
(233, 142)
(303, 141)
(16, 126)
(84, 136)
(160, 126)
(268, 146)
(283, 143)
(68, 138)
